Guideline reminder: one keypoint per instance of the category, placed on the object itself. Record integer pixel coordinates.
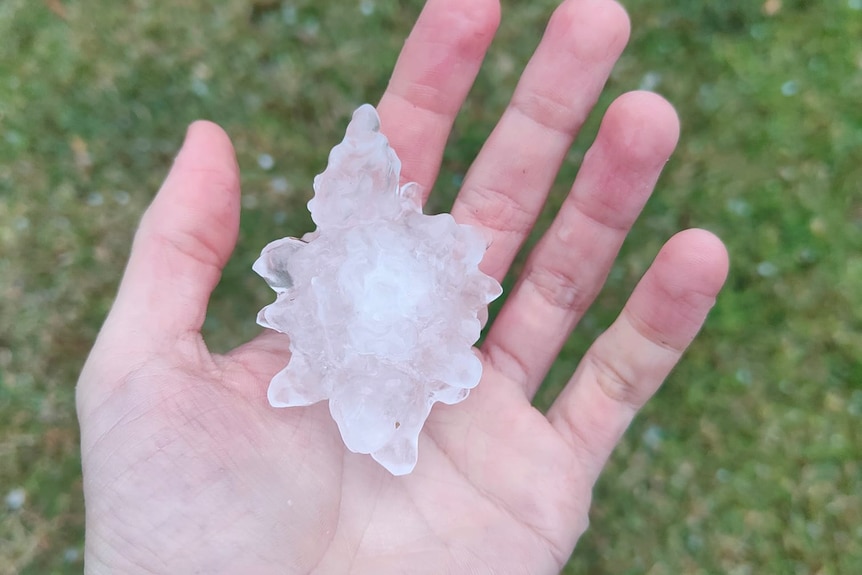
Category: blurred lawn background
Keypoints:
(750, 458)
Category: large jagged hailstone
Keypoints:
(382, 303)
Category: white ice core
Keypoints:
(382, 303)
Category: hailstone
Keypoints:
(382, 303)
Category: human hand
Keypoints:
(187, 469)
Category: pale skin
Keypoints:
(187, 469)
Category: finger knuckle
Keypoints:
(559, 288)
(497, 210)
(505, 361)
(616, 384)
(548, 109)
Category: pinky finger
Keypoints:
(628, 363)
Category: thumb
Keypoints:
(184, 240)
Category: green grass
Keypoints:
(748, 460)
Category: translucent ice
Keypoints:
(382, 303)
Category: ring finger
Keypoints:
(570, 263)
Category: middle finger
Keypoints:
(506, 187)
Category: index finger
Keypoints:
(434, 72)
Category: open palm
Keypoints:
(187, 469)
